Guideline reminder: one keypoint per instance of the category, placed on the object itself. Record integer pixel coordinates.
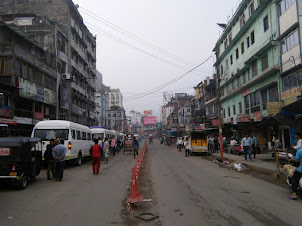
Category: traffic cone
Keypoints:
(135, 195)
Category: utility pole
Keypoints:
(219, 114)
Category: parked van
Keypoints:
(99, 132)
(77, 138)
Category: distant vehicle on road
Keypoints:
(99, 132)
(20, 160)
(198, 142)
(77, 138)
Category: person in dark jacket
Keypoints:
(49, 159)
(96, 153)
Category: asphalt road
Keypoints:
(189, 191)
(80, 199)
(193, 191)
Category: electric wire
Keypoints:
(135, 37)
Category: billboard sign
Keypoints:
(150, 120)
(148, 113)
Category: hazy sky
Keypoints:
(185, 28)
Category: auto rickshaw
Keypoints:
(20, 160)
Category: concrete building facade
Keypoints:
(80, 52)
(248, 66)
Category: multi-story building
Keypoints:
(211, 103)
(167, 109)
(184, 115)
(80, 52)
(200, 110)
(117, 119)
(248, 66)
(28, 81)
(101, 100)
(115, 98)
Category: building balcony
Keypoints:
(78, 67)
(79, 51)
(78, 88)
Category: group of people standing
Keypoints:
(183, 142)
(55, 158)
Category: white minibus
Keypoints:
(77, 138)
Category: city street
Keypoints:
(82, 198)
(189, 191)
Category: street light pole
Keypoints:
(219, 115)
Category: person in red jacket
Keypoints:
(96, 153)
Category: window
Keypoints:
(231, 59)
(242, 21)
(265, 23)
(84, 136)
(237, 53)
(73, 134)
(248, 75)
(188, 110)
(255, 102)
(88, 136)
(229, 111)
(78, 135)
(289, 82)
(290, 41)
(240, 108)
(230, 37)
(252, 37)
(284, 5)
(264, 62)
(248, 42)
(24, 71)
(254, 69)
(242, 48)
(221, 68)
(234, 109)
(273, 94)
(224, 113)
(226, 44)
(251, 8)
(247, 104)
(264, 99)
(227, 64)
(243, 78)
(17, 68)
(238, 82)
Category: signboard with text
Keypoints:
(273, 107)
(35, 92)
(5, 113)
(244, 119)
(215, 122)
(150, 120)
(291, 93)
(148, 113)
(257, 116)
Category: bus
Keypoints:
(77, 138)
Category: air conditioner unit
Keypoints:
(66, 76)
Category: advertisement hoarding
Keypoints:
(150, 120)
(148, 113)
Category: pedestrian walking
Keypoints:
(96, 153)
(253, 144)
(232, 148)
(186, 146)
(59, 153)
(112, 145)
(106, 149)
(211, 144)
(246, 145)
(49, 159)
(135, 147)
(179, 143)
